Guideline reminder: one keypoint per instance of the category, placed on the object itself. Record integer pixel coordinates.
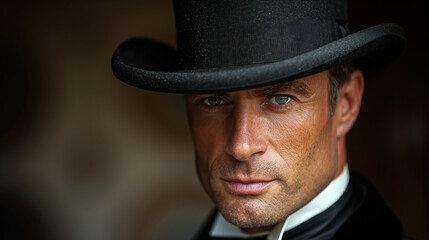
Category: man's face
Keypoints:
(263, 153)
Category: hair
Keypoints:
(337, 76)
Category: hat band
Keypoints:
(254, 43)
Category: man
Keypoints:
(272, 88)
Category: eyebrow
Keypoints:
(298, 87)
(295, 86)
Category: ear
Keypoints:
(348, 103)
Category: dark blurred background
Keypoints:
(84, 156)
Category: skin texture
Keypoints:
(293, 147)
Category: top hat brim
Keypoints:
(151, 65)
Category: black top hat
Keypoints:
(226, 45)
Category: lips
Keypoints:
(247, 187)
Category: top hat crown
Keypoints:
(227, 45)
(221, 33)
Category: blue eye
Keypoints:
(280, 99)
(213, 101)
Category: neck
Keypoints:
(342, 155)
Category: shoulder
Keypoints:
(372, 218)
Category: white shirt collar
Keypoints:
(325, 199)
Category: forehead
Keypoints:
(297, 86)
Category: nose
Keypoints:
(246, 137)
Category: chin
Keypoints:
(250, 222)
(249, 213)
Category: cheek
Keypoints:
(290, 135)
(207, 138)
(304, 142)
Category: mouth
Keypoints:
(253, 187)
